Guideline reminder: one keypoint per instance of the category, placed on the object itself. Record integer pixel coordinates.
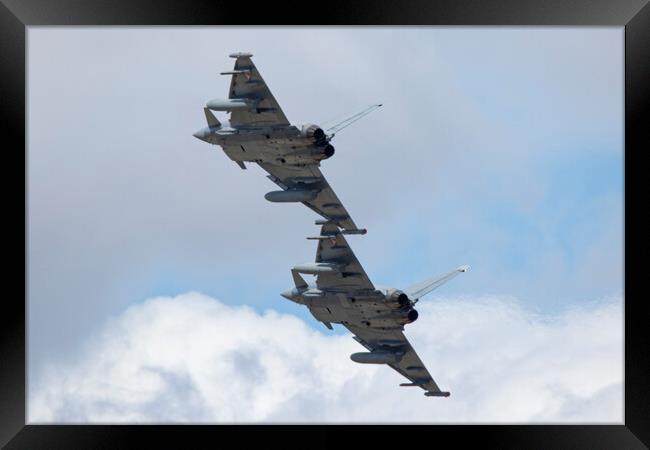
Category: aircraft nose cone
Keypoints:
(289, 294)
(201, 134)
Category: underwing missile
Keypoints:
(291, 195)
(359, 231)
(231, 104)
(417, 383)
(316, 268)
(375, 357)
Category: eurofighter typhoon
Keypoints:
(259, 132)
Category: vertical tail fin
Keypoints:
(421, 289)
(298, 280)
(351, 119)
(213, 122)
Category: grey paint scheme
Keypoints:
(344, 294)
(260, 132)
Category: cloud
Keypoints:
(191, 358)
(125, 204)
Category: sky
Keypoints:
(155, 264)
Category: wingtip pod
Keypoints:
(240, 55)
(437, 394)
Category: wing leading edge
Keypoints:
(248, 85)
(326, 203)
(409, 365)
(333, 249)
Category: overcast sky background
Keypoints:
(501, 148)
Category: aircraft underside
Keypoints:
(259, 132)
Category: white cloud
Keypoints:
(125, 203)
(193, 359)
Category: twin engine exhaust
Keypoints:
(400, 301)
(320, 139)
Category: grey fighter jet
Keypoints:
(376, 315)
(259, 132)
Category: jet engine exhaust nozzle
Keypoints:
(402, 299)
(319, 134)
(328, 151)
(310, 130)
(398, 299)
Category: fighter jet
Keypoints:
(259, 132)
(376, 315)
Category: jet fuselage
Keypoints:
(289, 145)
(382, 307)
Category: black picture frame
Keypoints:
(16, 15)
